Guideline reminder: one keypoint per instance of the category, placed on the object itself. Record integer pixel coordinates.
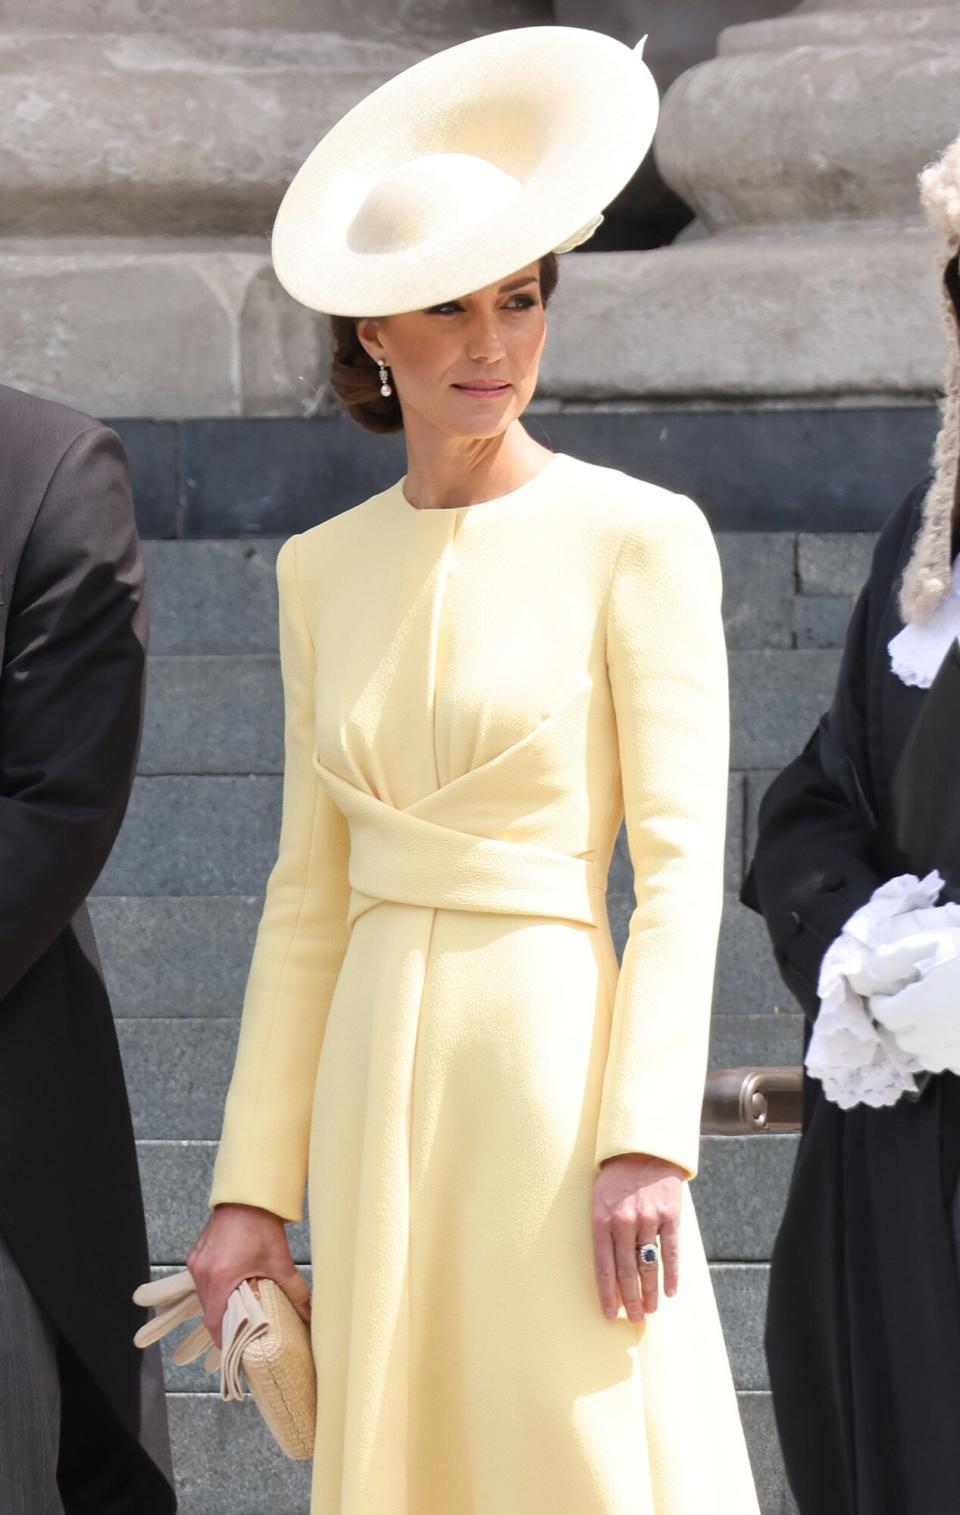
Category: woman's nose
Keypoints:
(485, 343)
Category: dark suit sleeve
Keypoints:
(70, 698)
(813, 862)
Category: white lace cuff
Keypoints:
(857, 1061)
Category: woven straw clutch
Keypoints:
(264, 1341)
(278, 1367)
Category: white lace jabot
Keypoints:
(917, 651)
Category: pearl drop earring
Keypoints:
(386, 389)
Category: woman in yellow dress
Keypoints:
(484, 667)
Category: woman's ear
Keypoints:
(368, 335)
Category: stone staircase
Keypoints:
(177, 906)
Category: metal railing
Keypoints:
(745, 1101)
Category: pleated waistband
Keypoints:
(401, 857)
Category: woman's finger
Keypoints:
(605, 1269)
(625, 1245)
(670, 1257)
(297, 1290)
(647, 1268)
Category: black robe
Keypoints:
(72, 657)
(863, 1323)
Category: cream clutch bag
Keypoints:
(264, 1341)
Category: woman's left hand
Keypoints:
(636, 1200)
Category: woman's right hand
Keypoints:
(238, 1242)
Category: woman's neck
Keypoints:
(445, 472)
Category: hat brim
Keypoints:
(568, 113)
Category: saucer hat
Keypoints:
(464, 168)
(927, 577)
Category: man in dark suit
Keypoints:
(82, 1421)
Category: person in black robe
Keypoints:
(863, 1323)
(82, 1415)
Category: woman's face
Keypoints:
(468, 367)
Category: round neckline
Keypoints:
(499, 499)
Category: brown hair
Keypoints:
(355, 377)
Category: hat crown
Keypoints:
(423, 198)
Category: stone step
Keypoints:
(741, 1292)
(196, 836)
(212, 597)
(210, 125)
(441, 19)
(178, 1069)
(224, 715)
(740, 1194)
(220, 597)
(195, 844)
(227, 1463)
(188, 955)
(223, 340)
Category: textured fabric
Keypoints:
(72, 646)
(857, 1061)
(29, 1399)
(863, 1337)
(919, 648)
(434, 1022)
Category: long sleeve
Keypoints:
(71, 698)
(667, 668)
(299, 948)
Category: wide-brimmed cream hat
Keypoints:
(465, 167)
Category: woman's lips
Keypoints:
(483, 389)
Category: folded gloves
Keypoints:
(262, 1334)
(889, 996)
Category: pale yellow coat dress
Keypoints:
(434, 1032)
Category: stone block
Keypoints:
(821, 620)
(166, 328)
(740, 1194)
(227, 1463)
(741, 1291)
(747, 982)
(770, 1040)
(733, 848)
(192, 133)
(177, 1074)
(176, 957)
(776, 700)
(151, 448)
(186, 835)
(758, 587)
(212, 597)
(806, 313)
(439, 22)
(213, 715)
(834, 562)
(760, 1429)
(274, 477)
(758, 783)
(751, 467)
(176, 1177)
(740, 144)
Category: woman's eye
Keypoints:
(449, 308)
(521, 302)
